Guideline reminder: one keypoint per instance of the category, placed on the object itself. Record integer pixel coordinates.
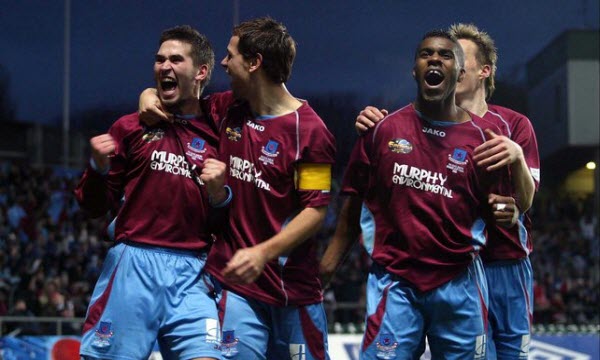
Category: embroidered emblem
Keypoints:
(103, 335)
(153, 135)
(400, 146)
(234, 134)
(229, 343)
(386, 347)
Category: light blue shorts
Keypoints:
(145, 294)
(511, 308)
(453, 317)
(254, 330)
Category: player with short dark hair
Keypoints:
(416, 194)
(506, 256)
(271, 40)
(279, 155)
(151, 287)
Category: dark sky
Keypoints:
(359, 46)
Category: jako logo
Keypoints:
(255, 126)
(435, 132)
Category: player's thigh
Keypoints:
(511, 308)
(120, 321)
(190, 328)
(394, 322)
(245, 325)
(298, 333)
(458, 316)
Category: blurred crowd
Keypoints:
(51, 255)
(566, 262)
(50, 252)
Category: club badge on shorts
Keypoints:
(103, 335)
(229, 343)
(386, 347)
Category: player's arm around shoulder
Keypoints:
(368, 118)
(345, 236)
(150, 108)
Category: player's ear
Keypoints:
(414, 75)
(461, 74)
(256, 62)
(485, 72)
(202, 72)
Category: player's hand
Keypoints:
(245, 266)
(368, 117)
(505, 210)
(213, 177)
(497, 151)
(103, 147)
(150, 108)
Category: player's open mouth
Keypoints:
(434, 77)
(168, 85)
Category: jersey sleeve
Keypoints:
(524, 135)
(316, 155)
(217, 104)
(99, 193)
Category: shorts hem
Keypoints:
(98, 356)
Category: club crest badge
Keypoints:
(269, 152)
(457, 161)
(229, 343)
(197, 145)
(196, 149)
(271, 148)
(386, 347)
(103, 335)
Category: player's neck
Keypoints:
(272, 99)
(445, 110)
(475, 102)
(188, 108)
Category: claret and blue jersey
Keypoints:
(424, 198)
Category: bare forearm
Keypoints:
(303, 226)
(523, 183)
(345, 236)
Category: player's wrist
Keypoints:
(221, 198)
(101, 169)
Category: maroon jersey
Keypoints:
(424, 198)
(515, 242)
(263, 156)
(165, 204)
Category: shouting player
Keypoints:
(151, 286)
(279, 155)
(506, 256)
(414, 189)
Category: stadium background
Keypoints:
(51, 254)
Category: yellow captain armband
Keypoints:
(314, 177)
